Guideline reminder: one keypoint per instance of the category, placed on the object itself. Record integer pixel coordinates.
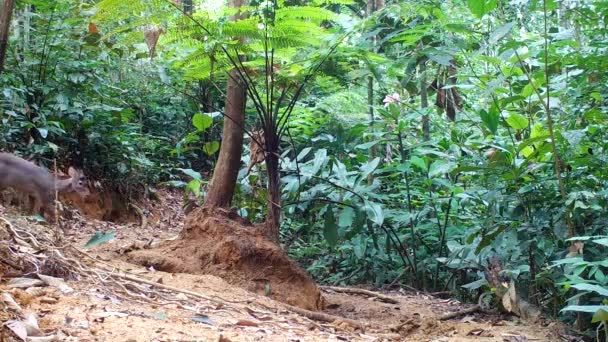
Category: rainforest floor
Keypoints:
(110, 294)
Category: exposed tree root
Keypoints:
(142, 217)
(352, 290)
(322, 317)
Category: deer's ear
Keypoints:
(72, 172)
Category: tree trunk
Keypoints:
(273, 219)
(225, 174)
(424, 101)
(188, 8)
(5, 25)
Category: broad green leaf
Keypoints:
(440, 167)
(500, 32)
(43, 132)
(330, 229)
(488, 238)
(340, 171)
(367, 145)
(359, 246)
(567, 261)
(201, 121)
(600, 315)
(99, 238)
(476, 284)
(320, 159)
(419, 163)
(517, 121)
(481, 7)
(194, 186)
(374, 212)
(346, 217)
(369, 167)
(193, 174)
(490, 120)
(303, 153)
(440, 56)
(211, 147)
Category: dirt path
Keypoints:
(92, 313)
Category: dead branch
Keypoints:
(347, 277)
(462, 312)
(352, 290)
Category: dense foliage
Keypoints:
(434, 136)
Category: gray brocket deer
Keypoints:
(38, 183)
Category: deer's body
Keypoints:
(38, 183)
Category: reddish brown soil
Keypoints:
(219, 242)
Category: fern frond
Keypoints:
(332, 2)
(314, 14)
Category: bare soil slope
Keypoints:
(219, 242)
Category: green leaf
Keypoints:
(367, 145)
(99, 238)
(481, 7)
(440, 167)
(194, 186)
(500, 32)
(419, 163)
(211, 147)
(488, 238)
(567, 261)
(359, 246)
(43, 132)
(369, 167)
(374, 212)
(600, 315)
(517, 121)
(193, 174)
(476, 284)
(603, 242)
(320, 159)
(585, 308)
(346, 217)
(593, 288)
(330, 229)
(201, 121)
(490, 120)
(303, 153)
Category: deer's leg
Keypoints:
(49, 209)
(36, 203)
